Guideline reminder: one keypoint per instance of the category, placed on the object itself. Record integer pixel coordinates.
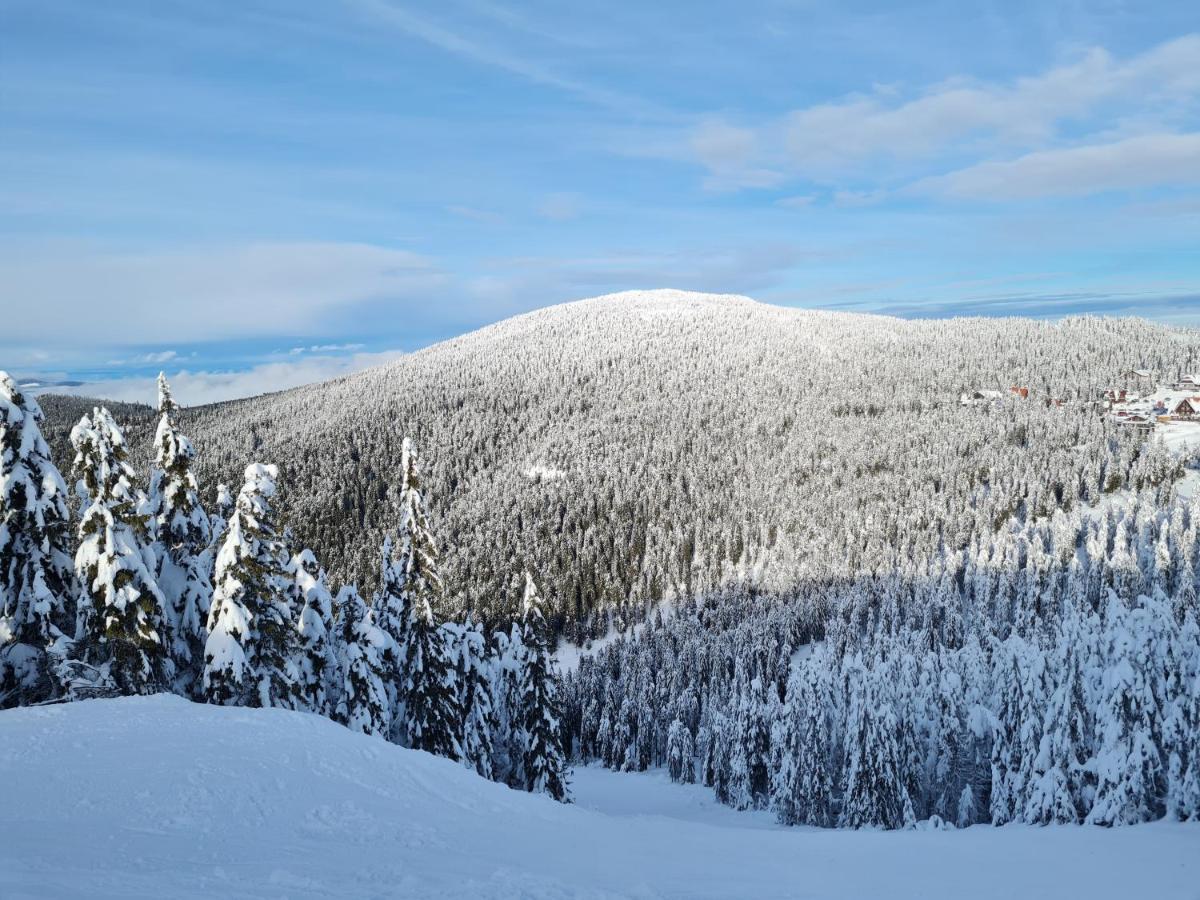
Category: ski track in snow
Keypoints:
(152, 797)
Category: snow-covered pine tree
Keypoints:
(389, 611)
(250, 652)
(362, 698)
(874, 793)
(468, 648)
(1016, 741)
(426, 714)
(120, 632)
(36, 576)
(545, 762)
(218, 520)
(804, 792)
(1130, 771)
(1183, 728)
(431, 713)
(1061, 789)
(681, 764)
(508, 743)
(182, 532)
(316, 661)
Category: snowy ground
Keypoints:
(151, 797)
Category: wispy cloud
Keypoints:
(1136, 162)
(833, 137)
(452, 41)
(325, 348)
(886, 136)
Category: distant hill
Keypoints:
(633, 447)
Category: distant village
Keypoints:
(1178, 401)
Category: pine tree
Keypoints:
(362, 703)
(473, 669)
(182, 532)
(680, 752)
(1131, 778)
(1014, 749)
(431, 714)
(804, 793)
(251, 647)
(1061, 790)
(421, 683)
(544, 760)
(120, 628)
(1183, 729)
(36, 577)
(874, 792)
(508, 744)
(316, 661)
(426, 708)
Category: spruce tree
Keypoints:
(121, 629)
(36, 577)
(804, 792)
(544, 761)
(1131, 777)
(182, 532)
(468, 646)
(426, 711)
(316, 662)
(431, 713)
(389, 610)
(362, 703)
(250, 653)
(508, 744)
(680, 753)
(1013, 750)
(1061, 788)
(874, 792)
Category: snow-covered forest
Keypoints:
(661, 444)
(152, 593)
(797, 569)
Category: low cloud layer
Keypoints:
(193, 388)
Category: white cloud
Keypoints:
(195, 388)
(86, 294)
(842, 135)
(1136, 162)
(889, 134)
(325, 348)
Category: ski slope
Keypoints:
(151, 797)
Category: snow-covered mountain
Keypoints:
(155, 796)
(644, 445)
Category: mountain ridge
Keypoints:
(696, 441)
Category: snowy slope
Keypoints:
(149, 797)
(651, 444)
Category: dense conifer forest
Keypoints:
(801, 570)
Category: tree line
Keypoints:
(631, 451)
(149, 591)
(1048, 673)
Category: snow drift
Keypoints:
(155, 796)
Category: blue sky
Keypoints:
(270, 191)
